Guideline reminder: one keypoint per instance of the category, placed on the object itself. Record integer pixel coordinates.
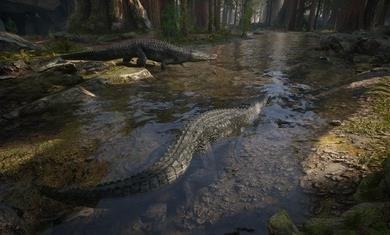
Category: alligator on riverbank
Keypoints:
(143, 49)
(202, 130)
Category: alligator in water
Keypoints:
(143, 49)
(199, 132)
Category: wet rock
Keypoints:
(335, 122)
(10, 222)
(13, 68)
(331, 43)
(125, 75)
(71, 96)
(155, 216)
(281, 224)
(13, 42)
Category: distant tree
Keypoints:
(247, 11)
(217, 15)
(184, 17)
(211, 16)
(356, 14)
(108, 15)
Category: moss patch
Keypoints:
(59, 160)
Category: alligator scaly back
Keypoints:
(142, 49)
(203, 129)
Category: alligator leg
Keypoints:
(163, 65)
(126, 60)
(141, 61)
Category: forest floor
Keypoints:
(43, 138)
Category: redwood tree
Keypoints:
(108, 15)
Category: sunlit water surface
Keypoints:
(240, 181)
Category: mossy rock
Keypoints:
(369, 188)
(321, 226)
(281, 224)
(368, 218)
(365, 218)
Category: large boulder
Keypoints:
(13, 42)
(281, 224)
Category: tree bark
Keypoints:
(211, 16)
(356, 14)
(217, 15)
(97, 16)
(383, 9)
(291, 14)
(184, 17)
(317, 14)
(300, 14)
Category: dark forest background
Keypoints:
(180, 17)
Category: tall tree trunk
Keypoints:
(369, 14)
(291, 14)
(268, 12)
(224, 14)
(317, 14)
(383, 9)
(300, 14)
(312, 15)
(184, 17)
(356, 14)
(108, 15)
(201, 9)
(211, 16)
(236, 11)
(217, 15)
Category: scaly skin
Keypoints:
(143, 49)
(202, 130)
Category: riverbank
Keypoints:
(346, 168)
(82, 123)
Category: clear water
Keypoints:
(240, 181)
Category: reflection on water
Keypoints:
(240, 181)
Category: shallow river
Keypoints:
(240, 181)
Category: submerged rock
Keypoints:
(281, 224)
(10, 222)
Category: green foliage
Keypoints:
(22, 54)
(246, 18)
(61, 45)
(169, 21)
